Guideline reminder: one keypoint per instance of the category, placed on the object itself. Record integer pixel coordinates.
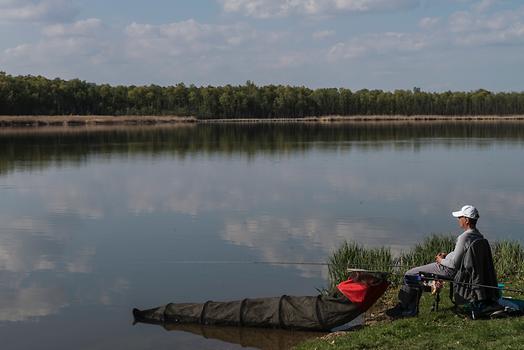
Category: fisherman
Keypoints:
(445, 265)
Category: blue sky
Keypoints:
(376, 44)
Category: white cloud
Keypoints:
(85, 27)
(383, 43)
(192, 51)
(63, 48)
(484, 5)
(54, 52)
(323, 34)
(372, 5)
(462, 29)
(183, 38)
(257, 8)
(476, 29)
(428, 22)
(36, 10)
(278, 8)
(290, 59)
(464, 21)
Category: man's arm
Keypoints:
(455, 257)
(439, 257)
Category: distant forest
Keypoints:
(37, 95)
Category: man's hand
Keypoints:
(439, 257)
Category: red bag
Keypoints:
(354, 291)
(363, 292)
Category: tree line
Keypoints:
(37, 95)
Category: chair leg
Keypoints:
(451, 293)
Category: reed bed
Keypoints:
(508, 257)
(354, 255)
(424, 253)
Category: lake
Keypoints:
(97, 220)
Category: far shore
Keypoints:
(75, 120)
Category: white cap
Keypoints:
(468, 211)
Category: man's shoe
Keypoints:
(400, 312)
(410, 313)
(395, 311)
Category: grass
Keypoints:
(430, 330)
(441, 329)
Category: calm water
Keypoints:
(96, 222)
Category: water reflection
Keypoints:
(39, 263)
(91, 219)
(20, 302)
(25, 148)
(263, 339)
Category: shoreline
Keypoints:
(366, 118)
(74, 120)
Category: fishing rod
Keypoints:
(473, 284)
(238, 262)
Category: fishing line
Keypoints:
(241, 262)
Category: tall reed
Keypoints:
(354, 255)
(424, 253)
(508, 257)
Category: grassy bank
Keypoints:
(442, 329)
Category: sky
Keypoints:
(436, 45)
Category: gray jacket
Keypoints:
(454, 259)
(476, 269)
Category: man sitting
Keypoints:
(445, 265)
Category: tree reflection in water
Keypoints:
(35, 148)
